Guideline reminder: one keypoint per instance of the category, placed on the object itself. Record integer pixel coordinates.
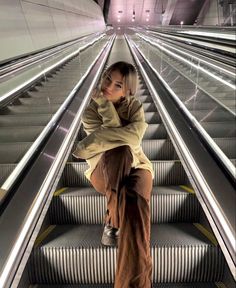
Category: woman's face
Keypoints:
(113, 86)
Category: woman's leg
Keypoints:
(109, 175)
(134, 264)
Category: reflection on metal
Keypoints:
(215, 214)
(191, 118)
(198, 84)
(43, 72)
(188, 62)
(17, 252)
(20, 166)
(210, 34)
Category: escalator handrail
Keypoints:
(7, 97)
(222, 226)
(198, 52)
(204, 37)
(226, 162)
(12, 63)
(226, 48)
(12, 178)
(19, 245)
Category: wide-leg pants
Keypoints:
(128, 193)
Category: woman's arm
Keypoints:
(106, 138)
(100, 113)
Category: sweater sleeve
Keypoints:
(104, 115)
(106, 138)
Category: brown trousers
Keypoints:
(128, 193)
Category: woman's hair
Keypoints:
(129, 73)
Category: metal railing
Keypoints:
(18, 241)
(205, 173)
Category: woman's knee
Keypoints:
(140, 182)
(119, 153)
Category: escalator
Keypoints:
(210, 100)
(68, 252)
(22, 121)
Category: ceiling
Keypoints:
(151, 12)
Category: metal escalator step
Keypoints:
(220, 129)
(207, 105)
(86, 206)
(61, 83)
(13, 152)
(154, 149)
(159, 285)
(73, 254)
(42, 101)
(153, 131)
(19, 134)
(5, 171)
(18, 109)
(149, 107)
(165, 173)
(182, 82)
(160, 149)
(41, 94)
(228, 146)
(214, 115)
(25, 120)
(145, 98)
(153, 118)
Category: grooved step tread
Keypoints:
(25, 120)
(74, 254)
(166, 172)
(87, 236)
(89, 191)
(161, 285)
(84, 205)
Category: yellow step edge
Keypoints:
(220, 285)
(188, 189)
(60, 191)
(207, 233)
(43, 235)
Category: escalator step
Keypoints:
(154, 131)
(159, 285)
(160, 149)
(220, 129)
(13, 152)
(74, 254)
(25, 109)
(5, 171)
(165, 173)
(86, 206)
(25, 120)
(42, 101)
(20, 134)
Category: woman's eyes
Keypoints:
(109, 80)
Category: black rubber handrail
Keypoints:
(214, 186)
(35, 190)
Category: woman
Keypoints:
(115, 124)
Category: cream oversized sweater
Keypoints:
(108, 126)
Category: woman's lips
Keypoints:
(106, 92)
